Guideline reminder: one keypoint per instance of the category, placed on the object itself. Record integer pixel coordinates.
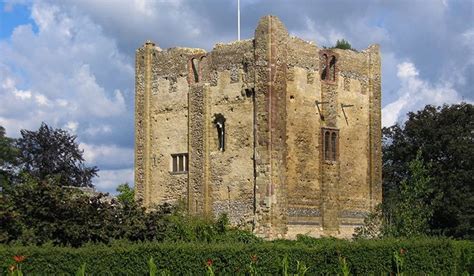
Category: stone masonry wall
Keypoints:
(271, 176)
(271, 39)
(231, 96)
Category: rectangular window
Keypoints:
(179, 163)
(330, 143)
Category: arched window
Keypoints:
(330, 144)
(219, 121)
(328, 61)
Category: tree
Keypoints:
(126, 193)
(8, 155)
(445, 136)
(412, 211)
(54, 152)
(343, 44)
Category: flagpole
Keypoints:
(238, 20)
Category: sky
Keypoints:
(70, 63)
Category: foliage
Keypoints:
(41, 212)
(445, 137)
(373, 227)
(343, 44)
(152, 267)
(412, 211)
(54, 152)
(82, 270)
(365, 257)
(126, 194)
(345, 269)
(399, 260)
(8, 158)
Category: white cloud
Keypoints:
(406, 70)
(108, 180)
(108, 156)
(97, 130)
(415, 93)
(72, 126)
(24, 95)
(42, 100)
(71, 70)
(71, 75)
(311, 32)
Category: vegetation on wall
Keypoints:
(343, 44)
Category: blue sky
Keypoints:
(71, 63)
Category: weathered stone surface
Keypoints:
(274, 94)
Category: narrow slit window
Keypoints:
(195, 67)
(324, 71)
(332, 69)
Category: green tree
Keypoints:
(343, 44)
(445, 136)
(126, 193)
(54, 152)
(412, 211)
(8, 158)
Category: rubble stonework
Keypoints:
(251, 118)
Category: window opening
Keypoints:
(330, 143)
(195, 66)
(324, 67)
(332, 69)
(326, 145)
(219, 121)
(179, 163)
(333, 146)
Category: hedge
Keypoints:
(421, 256)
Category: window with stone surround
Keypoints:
(328, 67)
(179, 163)
(330, 144)
(219, 121)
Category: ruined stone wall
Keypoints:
(353, 122)
(303, 145)
(271, 174)
(161, 122)
(271, 42)
(332, 197)
(231, 96)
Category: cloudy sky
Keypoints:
(71, 63)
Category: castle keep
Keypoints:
(283, 136)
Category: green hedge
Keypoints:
(434, 256)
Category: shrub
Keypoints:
(320, 256)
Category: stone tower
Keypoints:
(283, 136)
